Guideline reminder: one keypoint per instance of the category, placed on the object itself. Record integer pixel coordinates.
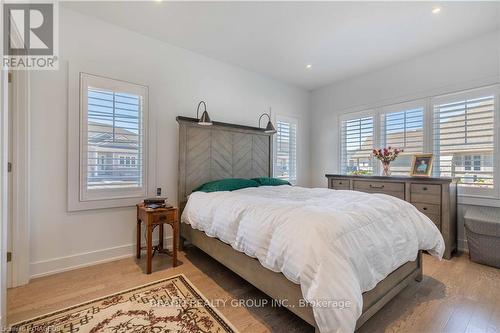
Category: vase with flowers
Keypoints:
(386, 156)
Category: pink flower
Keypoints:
(386, 155)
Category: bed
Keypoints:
(233, 151)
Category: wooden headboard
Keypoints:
(220, 151)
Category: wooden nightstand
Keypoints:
(153, 218)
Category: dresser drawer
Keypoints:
(340, 184)
(425, 198)
(428, 208)
(425, 193)
(383, 186)
(390, 188)
(426, 189)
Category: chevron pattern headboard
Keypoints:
(220, 151)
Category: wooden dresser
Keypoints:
(435, 197)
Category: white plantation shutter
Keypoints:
(464, 138)
(357, 145)
(113, 151)
(286, 150)
(403, 129)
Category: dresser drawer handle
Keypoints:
(379, 187)
(425, 188)
(425, 208)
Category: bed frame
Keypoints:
(233, 151)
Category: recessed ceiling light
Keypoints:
(309, 66)
(436, 10)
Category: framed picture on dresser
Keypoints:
(421, 165)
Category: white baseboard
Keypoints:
(80, 260)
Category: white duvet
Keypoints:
(335, 244)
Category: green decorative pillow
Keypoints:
(267, 181)
(229, 184)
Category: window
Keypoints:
(286, 149)
(357, 145)
(470, 162)
(477, 162)
(464, 139)
(113, 139)
(460, 129)
(402, 127)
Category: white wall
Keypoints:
(177, 80)
(458, 67)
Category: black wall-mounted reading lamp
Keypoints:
(269, 128)
(205, 118)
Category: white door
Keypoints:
(10, 184)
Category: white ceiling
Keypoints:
(278, 39)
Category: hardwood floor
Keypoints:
(454, 296)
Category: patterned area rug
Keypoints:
(170, 305)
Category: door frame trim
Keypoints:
(21, 178)
(3, 194)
